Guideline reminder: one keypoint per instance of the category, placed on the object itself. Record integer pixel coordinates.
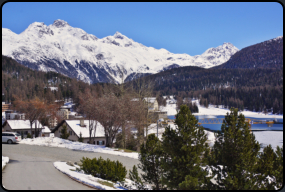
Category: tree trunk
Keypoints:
(124, 136)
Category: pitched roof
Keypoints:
(22, 124)
(46, 130)
(75, 126)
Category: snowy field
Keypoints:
(212, 110)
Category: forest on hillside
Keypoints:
(258, 89)
(253, 89)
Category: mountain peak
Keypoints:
(60, 23)
(118, 35)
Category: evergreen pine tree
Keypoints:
(134, 176)
(80, 139)
(150, 159)
(278, 167)
(235, 154)
(185, 150)
(63, 131)
(270, 169)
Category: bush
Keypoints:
(29, 135)
(105, 169)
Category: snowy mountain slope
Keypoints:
(71, 51)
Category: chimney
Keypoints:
(82, 123)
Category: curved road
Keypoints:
(31, 167)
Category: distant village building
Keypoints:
(6, 107)
(153, 109)
(12, 115)
(75, 127)
(152, 103)
(23, 127)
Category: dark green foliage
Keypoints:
(80, 139)
(236, 150)
(270, 164)
(29, 135)
(130, 141)
(278, 167)
(63, 131)
(150, 159)
(185, 151)
(134, 176)
(105, 169)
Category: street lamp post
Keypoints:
(159, 120)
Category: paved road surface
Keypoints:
(31, 167)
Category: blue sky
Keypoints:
(183, 27)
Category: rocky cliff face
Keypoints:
(75, 53)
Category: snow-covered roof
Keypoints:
(150, 99)
(75, 126)
(72, 113)
(23, 124)
(46, 130)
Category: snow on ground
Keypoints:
(5, 160)
(88, 179)
(58, 142)
(212, 110)
(263, 137)
(153, 129)
(274, 138)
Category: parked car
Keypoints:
(10, 137)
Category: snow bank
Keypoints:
(58, 142)
(88, 179)
(5, 160)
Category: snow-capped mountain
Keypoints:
(71, 51)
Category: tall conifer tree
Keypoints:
(185, 151)
(235, 154)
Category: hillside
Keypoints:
(27, 83)
(268, 54)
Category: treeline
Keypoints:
(263, 98)
(253, 89)
(28, 84)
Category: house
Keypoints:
(5, 107)
(63, 113)
(12, 115)
(45, 132)
(152, 103)
(22, 127)
(77, 126)
(154, 113)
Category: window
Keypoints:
(97, 142)
(103, 142)
(70, 132)
(100, 142)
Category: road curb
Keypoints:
(79, 181)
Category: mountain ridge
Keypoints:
(71, 51)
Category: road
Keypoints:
(31, 167)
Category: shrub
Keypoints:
(105, 169)
(29, 135)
